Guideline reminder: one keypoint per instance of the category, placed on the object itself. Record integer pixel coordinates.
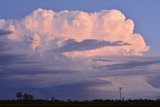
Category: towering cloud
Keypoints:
(46, 30)
(36, 55)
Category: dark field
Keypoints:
(93, 103)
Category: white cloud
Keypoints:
(41, 29)
(39, 50)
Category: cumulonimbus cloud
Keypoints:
(48, 30)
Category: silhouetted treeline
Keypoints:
(96, 101)
(26, 99)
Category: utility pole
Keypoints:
(120, 93)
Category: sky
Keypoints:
(80, 49)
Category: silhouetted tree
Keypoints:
(69, 100)
(19, 95)
(53, 98)
(28, 97)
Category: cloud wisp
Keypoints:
(89, 44)
(4, 32)
(131, 64)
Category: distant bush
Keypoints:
(25, 96)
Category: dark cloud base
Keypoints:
(4, 32)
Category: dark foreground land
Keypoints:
(92, 103)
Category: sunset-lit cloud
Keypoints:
(45, 30)
(76, 54)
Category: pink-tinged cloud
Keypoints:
(48, 30)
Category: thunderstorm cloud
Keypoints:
(75, 54)
(44, 30)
